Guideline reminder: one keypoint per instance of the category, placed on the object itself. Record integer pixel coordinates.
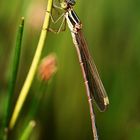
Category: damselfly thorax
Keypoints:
(73, 21)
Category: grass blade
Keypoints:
(24, 91)
(14, 69)
(27, 132)
(13, 75)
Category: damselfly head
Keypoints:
(71, 2)
(67, 4)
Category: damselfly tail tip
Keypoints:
(106, 103)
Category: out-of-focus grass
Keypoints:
(13, 70)
(33, 68)
(112, 30)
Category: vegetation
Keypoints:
(57, 108)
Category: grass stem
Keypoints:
(33, 68)
(14, 69)
(27, 132)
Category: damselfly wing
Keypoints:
(94, 82)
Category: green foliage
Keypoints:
(14, 70)
(112, 30)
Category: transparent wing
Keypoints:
(95, 84)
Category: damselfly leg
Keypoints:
(57, 4)
(62, 26)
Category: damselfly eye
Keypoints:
(71, 2)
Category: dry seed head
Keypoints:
(48, 67)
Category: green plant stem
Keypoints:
(12, 79)
(27, 132)
(24, 91)
(14, 69)
(37, 99)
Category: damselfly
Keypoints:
(90, 73)
(93, 83)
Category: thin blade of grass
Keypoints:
(27, 132)
(27, 84)
(14, 66)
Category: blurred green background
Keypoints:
(112, 30)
